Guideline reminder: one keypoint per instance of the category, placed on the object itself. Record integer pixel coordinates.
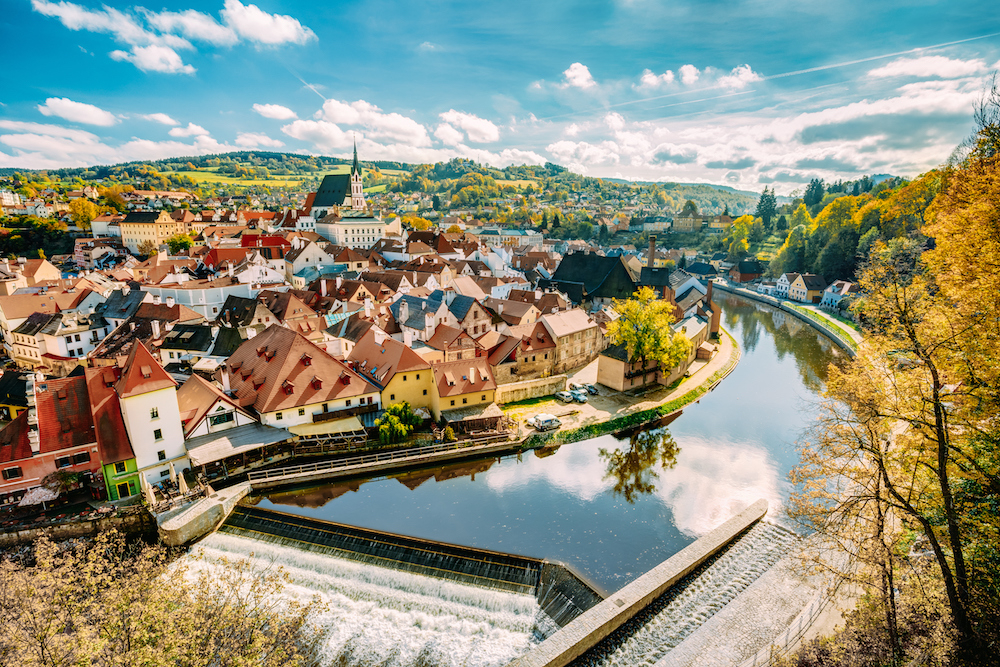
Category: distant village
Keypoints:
(278, 331)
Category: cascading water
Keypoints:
(681, 610)
(373, 615)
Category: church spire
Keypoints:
(355, 167)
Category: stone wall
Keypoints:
(601, 620)
(520, 391)
(133, 523)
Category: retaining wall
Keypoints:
(520, 391)
(830, 333)
(594, 625)
(198, 519)
(131, 524)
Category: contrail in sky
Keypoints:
(810, 70)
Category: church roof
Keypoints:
(332, 191)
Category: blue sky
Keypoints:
(743, 93)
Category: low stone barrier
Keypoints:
(132, 523)
(194, 521)
(521, 391)
(588, 629)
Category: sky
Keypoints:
(747, 93)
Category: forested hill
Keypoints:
(239, 172)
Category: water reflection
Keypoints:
(632, 468)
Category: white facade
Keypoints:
(154, 427)
(298, 416)
(353, 232)
(205, 301)
(222, 416)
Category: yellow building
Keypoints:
(401, 373)
(142, 226)
(807, 288)
(462, 384)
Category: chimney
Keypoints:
(322, 287)
(156, 299)
(368, 308)
(170, 302)
(708, 294)
(500, 308)
(156, 328)
(652, 251)
(225, 379)
(379, 337)
(408, 338)
(404, 311)
(340, 281)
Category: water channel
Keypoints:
(611, 508)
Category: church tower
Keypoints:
(357, 190)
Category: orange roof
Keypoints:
(195, 398)
(142, 374)
(109, 427)
(64, 418)
(466, 376)
(19, 306)
(280, 369)
(381, 362)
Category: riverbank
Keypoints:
(655, 405)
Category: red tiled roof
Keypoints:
(14, 443)
(105, 408)
(64, 418)
(382, 362)
(142, 374)
(280, 369)
(195, 398)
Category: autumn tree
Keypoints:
(83, 211)
(147, 248)
(632, 468)
(644, 330)
(178, 243)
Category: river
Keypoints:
(610, 507)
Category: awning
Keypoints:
(481, 411)
(333, 427)
(218, 446)
(37, 496)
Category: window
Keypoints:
(82, 457)
(76, 338)
(157, 434)
(219, 419)
(12, 473)
(64, 462)
(302, 411)
(483, 397)
(464, 401)
(404, 378)
(425, 392)
(392, 397)
(120, 467)
(348, 403)
(418, 377)
(326, 407)
(161, 455)
(154, 413)
(164, 473)
(453, 401)
(171, 355)
(279, 416)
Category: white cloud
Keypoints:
(159, 118)
(650, 80)
(428, 46)
(615, 121)
(739, 78)
(449, 135)
(585, 153)
(254, 140)
(689, 74)
(77, 112)
(192, 25)
(572, 130)
(380, 125)
(325, 136)
(256, 25)
(191, 130)
(154, 37)
(578, 76)
(275, 111)
(479, 130)
(154, 58)
(938, 66)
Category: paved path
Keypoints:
(851, 331)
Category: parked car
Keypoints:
(579, 396)
(591, 389)
(544, 422)
(564, 396)
(577, 386)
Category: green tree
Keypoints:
(814, 192)
(644, 330)
(604, 234)
(179, 243)
(767, 207)
(147, 248)
(690, 207)
(396, 423)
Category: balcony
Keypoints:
(345, 412)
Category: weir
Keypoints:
(562, 593)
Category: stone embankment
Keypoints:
(135, 521)
(845, 341)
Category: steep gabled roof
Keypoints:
(14, 442)
(466, 376)
(280, 369)
(332, 191)
(64, 418)
(195, 398)
(285, 306)
(380, 362)
(142, 374)
(105, 408)
(586, 276)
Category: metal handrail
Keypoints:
(323, 466)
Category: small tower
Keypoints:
(357, 190)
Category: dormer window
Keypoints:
(306, 360)
(317, 383)
(261, 351)
(258, 384)
(287, 387)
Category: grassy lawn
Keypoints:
(520, 183)
(211, 175)
(827, 322)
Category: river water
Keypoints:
(737, 444)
